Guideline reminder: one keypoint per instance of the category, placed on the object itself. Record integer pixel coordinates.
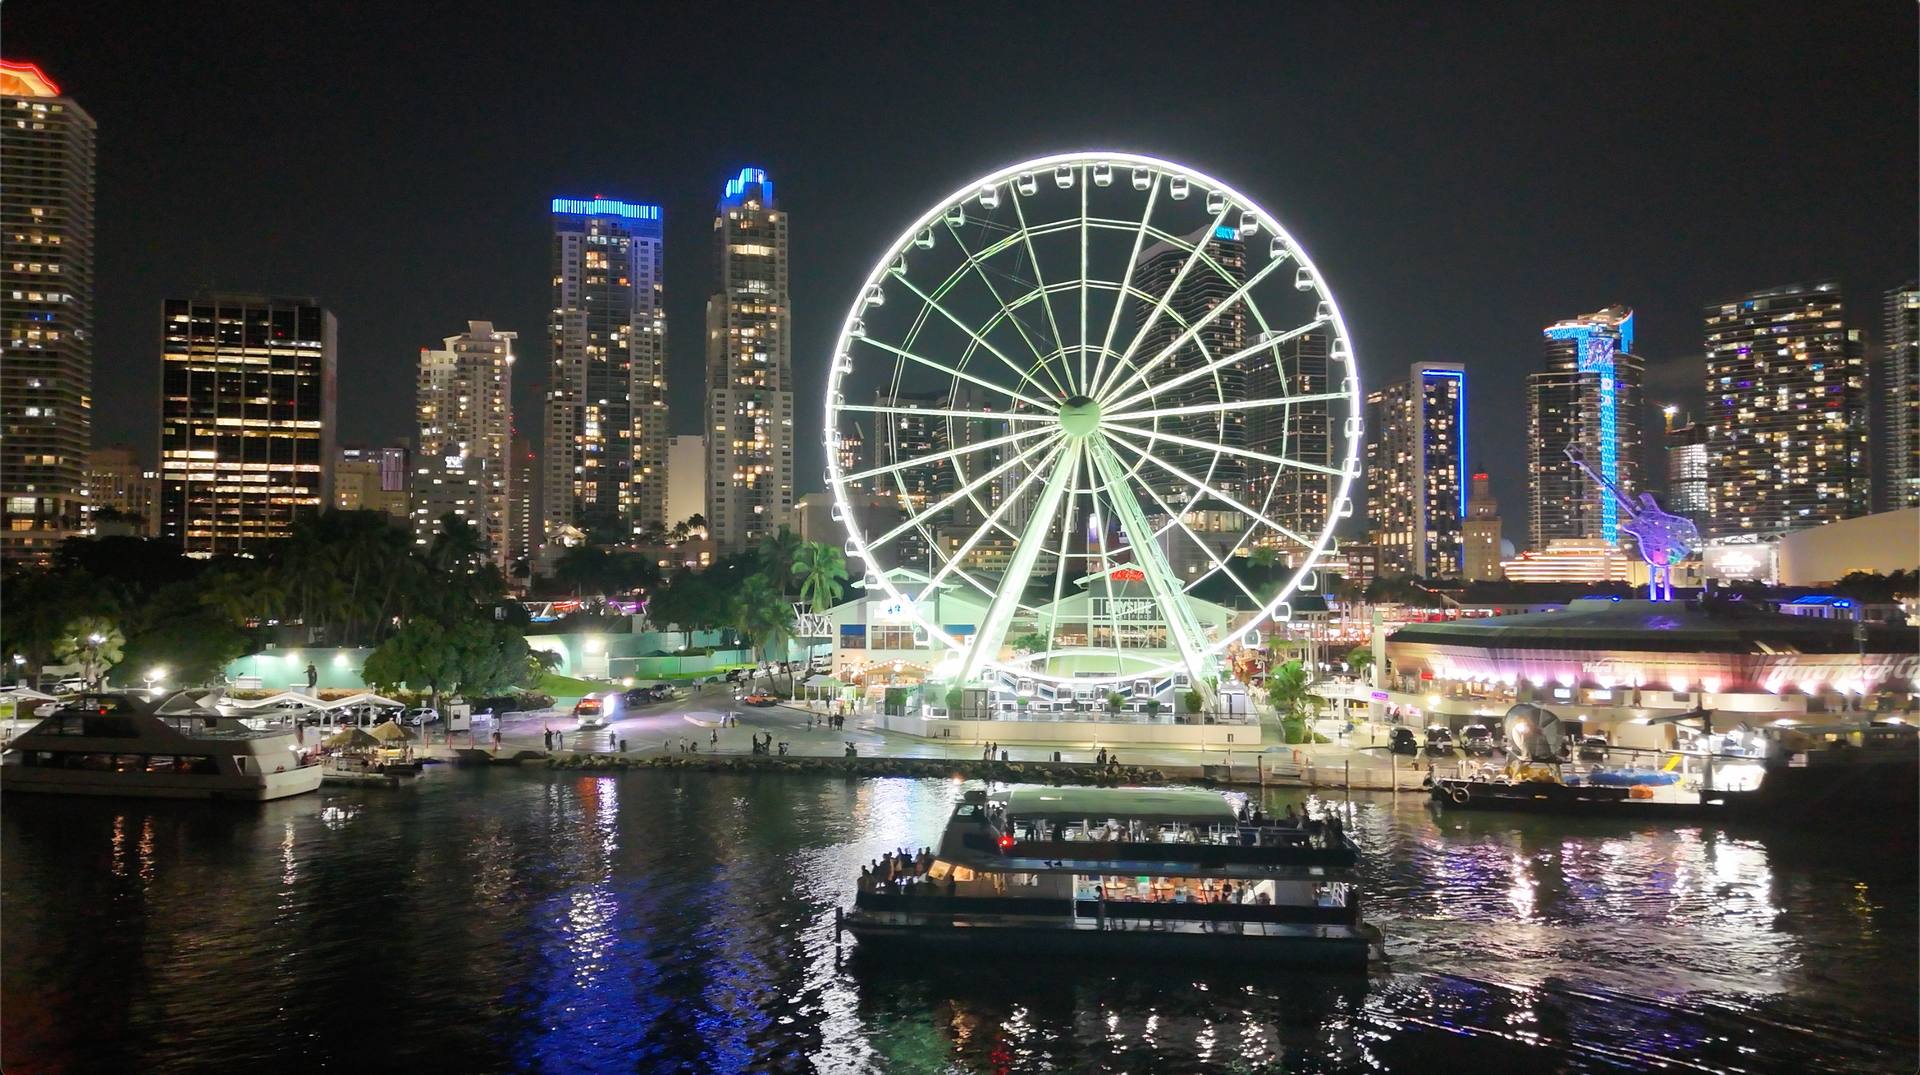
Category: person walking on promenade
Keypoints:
(313, 676)
(713, 739)
(549, 739)
(496, 740)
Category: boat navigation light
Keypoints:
(1006, 842)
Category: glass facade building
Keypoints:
(749, 407)
(46, 312)
(246, 418)
(1416, 469)
(605, 459)
(1786, 411)
(1898, 397)
(1589, 395)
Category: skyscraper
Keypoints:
(1480, 534)
(749, 412)
(463, 403)
(246, 418)
(1587, 395)
(1786, 411)
(1199, 293)
(686, 478)
(1899, 400)
(1686, 469)
(523, 501)
(1416, 458)
(46, 311)
(605, 463)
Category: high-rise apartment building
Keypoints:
(1297, 498)
(1416, 460)
(1686, 469)
(749, 410)
(46, 312)
(464, 403)
(1898, 396)
(246, 418)
(375, 479)
(523, 501)
(1786, 411)
(1587, 395)
(122, 495)
(1197, 295)
(1480, 534)
(604, 466)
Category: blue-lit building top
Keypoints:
(736, 190)
(1597, 340)
(634, 217)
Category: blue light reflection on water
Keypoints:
(649, 922)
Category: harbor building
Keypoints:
(247, 389)
(749, 397)
(1416, 469)
(604, 465)
(463, 405)
(46, 310)
(1587, 395)
(1786, 411)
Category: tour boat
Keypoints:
(171, 748)
(1123, 872)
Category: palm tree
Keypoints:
(819, 569)
(763, 615)
(93, 642)
(1292, 694)
(776, 557)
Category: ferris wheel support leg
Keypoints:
(993, 628)
(1146, 552)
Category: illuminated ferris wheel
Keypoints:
(1081, 394)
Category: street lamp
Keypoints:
(154, 675)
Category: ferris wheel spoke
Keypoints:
(935, 412)
(1025, 376)
(1193, 257)
(1207, 490)
(1214, 408)
(1180, 520)
(1007, 501)
(1126, 280)
(951, 453)
(944, 368)
(1181, 622)
(1239, 295)
(1222, 363)
(1113, 609)
(963, 492)
(1066, 538)
(1040, 283)
(1227, 449)
(1084, 188)
(981, 272)
(992, 630)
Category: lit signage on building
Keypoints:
(1747, 562)
(1127, 574)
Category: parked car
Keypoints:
(638, 695)
(1402, 742)
(761, 698)
(1593, 748)
(421, 715)
(70, 685)
(733, 676)
(1439, 741)
(1476, 739)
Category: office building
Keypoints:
(1416, 460)
(463, 404)
(686, 478)
(46, 313)
(1480, 534)
(122, 495)
(605, 460)
(1686, 468)
(1898, 396)
(1786, 411)
(374, 479)
(246, 418)
(1588, 395)
(749, 408)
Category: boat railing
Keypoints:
(1112, 910)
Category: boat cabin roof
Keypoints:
(1187, 805)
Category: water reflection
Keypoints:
(654, 922)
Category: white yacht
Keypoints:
(173, 748)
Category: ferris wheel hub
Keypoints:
(1080, 416)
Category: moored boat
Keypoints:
(174, 748)
(1123, 872)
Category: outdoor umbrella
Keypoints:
(392, 732)
(349, 739)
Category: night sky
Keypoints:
(1463, 174)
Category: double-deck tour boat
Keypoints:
(172, 748)
(1130, 872)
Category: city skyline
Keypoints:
(1404, 231)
